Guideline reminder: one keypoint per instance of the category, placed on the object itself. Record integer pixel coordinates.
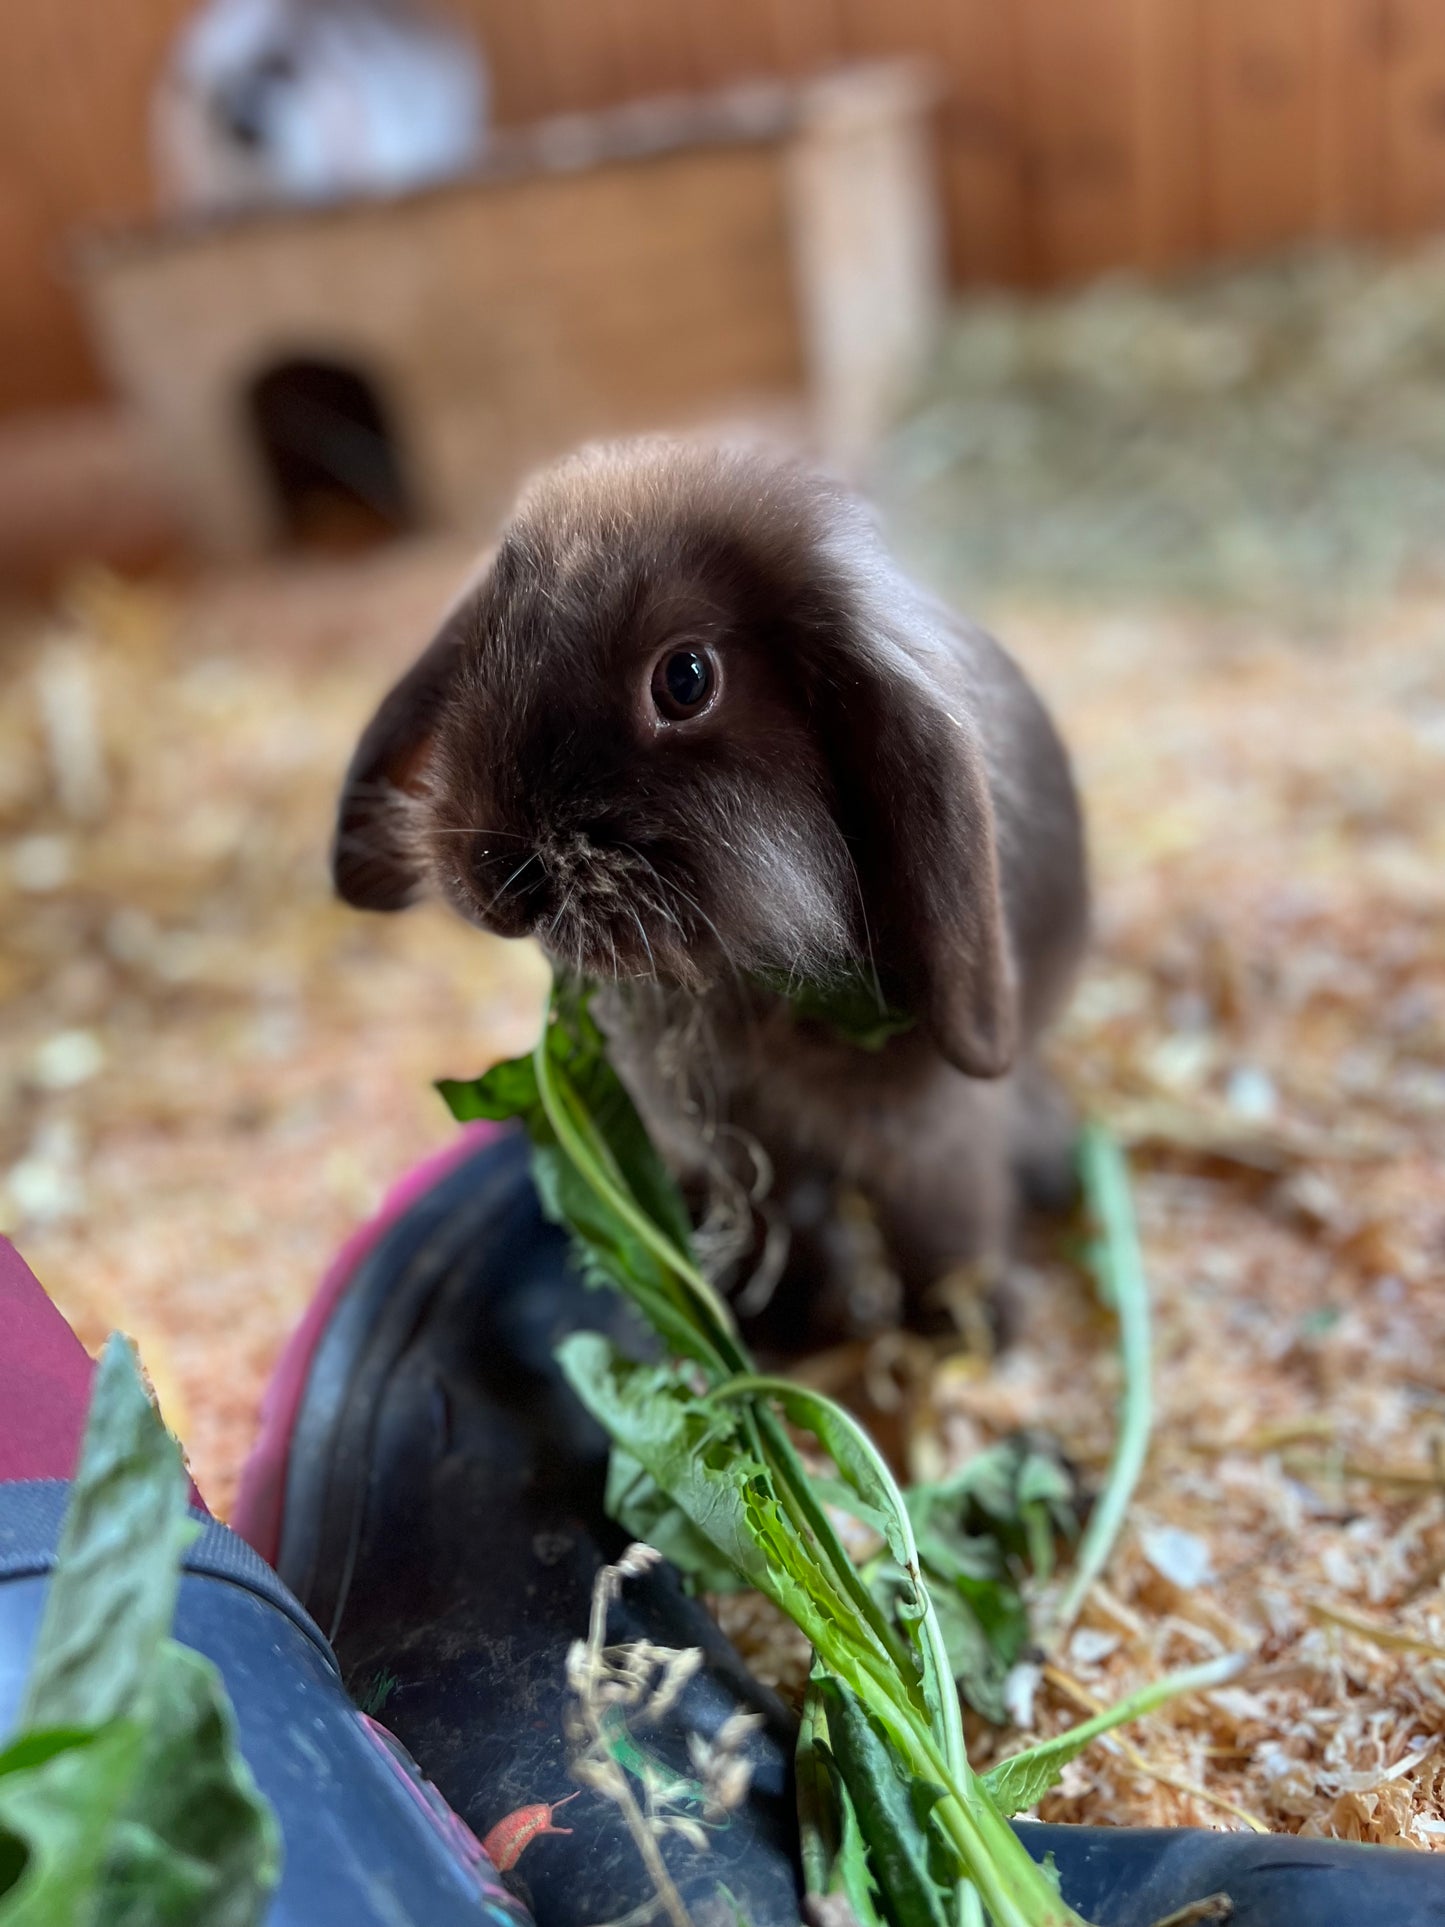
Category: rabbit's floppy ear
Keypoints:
(375, 864)
(915, 806)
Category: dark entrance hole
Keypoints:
(331, 455)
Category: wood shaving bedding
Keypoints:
(209, 1072)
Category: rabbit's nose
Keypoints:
(513, 887)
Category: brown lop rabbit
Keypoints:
(693, 730)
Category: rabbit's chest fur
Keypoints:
(931, 1151)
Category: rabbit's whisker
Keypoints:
(646, 941)
(476, 829)
(563, 908)
(526, 864)
(867, 932)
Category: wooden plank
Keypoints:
(44, 357)
(1081, 165)
(1354, 48)
(968, 45)
(871, 29)
(75, 103)
(731, 40)
(990, 236)
(511, 43)
(1169, 131)
(652, 48)
(1262, 105)
(807, 35)
(581, 57)
(74, 121)
(971, 45)
(1415, 119)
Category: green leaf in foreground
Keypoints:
(576, 1048)
(835, 1856)
(697, 1453)
(977, 1531)
(607, 1160)
(118, 1566)
(852, 1007)
(983, 1619)
(34, 1749)
(1118, 1268)
(709, 1436)
(124, 1802)
(641, 1507)
(701, 1449)
(197, 1841)
(57, 1818)
(1024, 1778)
(892, 1811)
(874, 1495)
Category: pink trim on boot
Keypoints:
(45, 1375)
(260, 1501)
(44, 1378)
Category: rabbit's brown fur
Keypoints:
(875, 795)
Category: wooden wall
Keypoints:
(1077, 135)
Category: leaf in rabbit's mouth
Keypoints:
(852, 1006)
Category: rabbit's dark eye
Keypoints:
(684, 683)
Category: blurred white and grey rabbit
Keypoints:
(273, 101)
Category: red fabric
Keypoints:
(44, 1378)
(45, 1375)
(257, 1513)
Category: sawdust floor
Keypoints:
(209, 1072)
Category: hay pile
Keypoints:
(208, 1071)
(1274, 439)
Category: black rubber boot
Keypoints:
(1136, 1876)
(366, 1841)
(443, 1522)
